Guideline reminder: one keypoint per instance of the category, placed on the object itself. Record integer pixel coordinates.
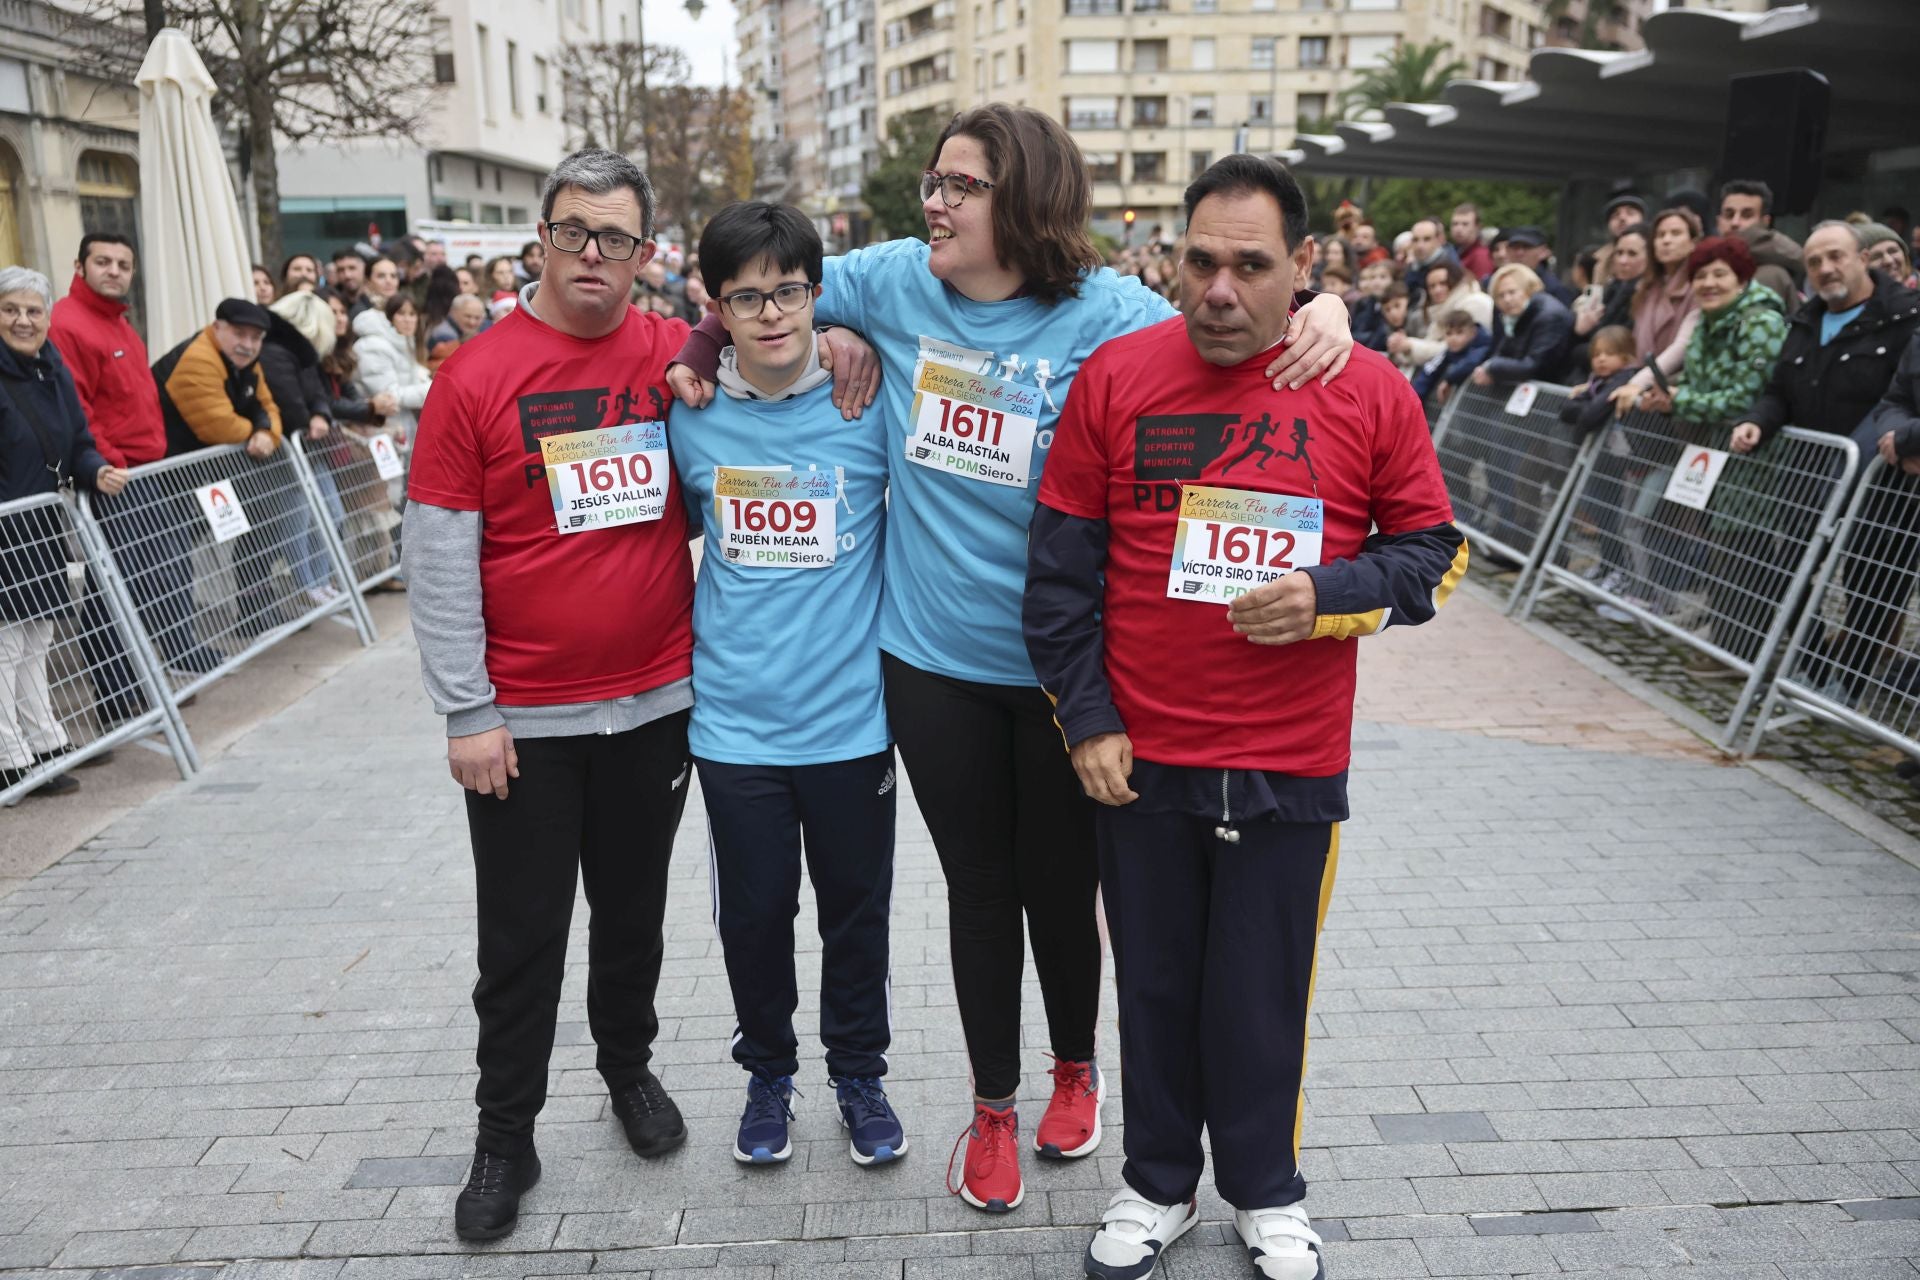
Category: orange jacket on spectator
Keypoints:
(109, 367)
(207, 401)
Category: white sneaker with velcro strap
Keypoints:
(1282, 1243)
(1134, 1232)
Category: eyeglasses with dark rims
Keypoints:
(570, 237)
(954, 188)
(747, 304)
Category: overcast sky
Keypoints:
(708, 43)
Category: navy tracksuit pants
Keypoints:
(1213, 951)
(759, 818)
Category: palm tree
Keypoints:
(1411, 73)
(1598, 14)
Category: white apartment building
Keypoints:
(497, 126)
(1155, 90)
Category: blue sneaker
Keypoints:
(763, 1126)
(869, 1120)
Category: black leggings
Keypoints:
(1014, 832)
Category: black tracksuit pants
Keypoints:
(596, 808)
(758, 819)
(1213, 952)
(1014, 831)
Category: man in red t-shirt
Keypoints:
(1204, 548)
(551, 594)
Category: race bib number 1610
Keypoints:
(607, 477)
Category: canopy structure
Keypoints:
(193, 249)
(1581, 113)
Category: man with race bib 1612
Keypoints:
(1204, 548)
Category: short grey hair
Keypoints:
(26, 280)
(1859, 239)
(596, 172)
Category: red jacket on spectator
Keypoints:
(1477, 261)
(109, 366)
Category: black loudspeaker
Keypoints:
(1777, 132)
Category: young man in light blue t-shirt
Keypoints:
(789, 728)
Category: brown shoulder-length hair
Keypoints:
(1657, 273)
(1042, 195)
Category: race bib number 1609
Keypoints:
(607, 477)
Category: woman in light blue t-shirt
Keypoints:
(978, 332)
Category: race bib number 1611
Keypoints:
(607, 477)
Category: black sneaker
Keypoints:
(652, 1121)
(489, 1207)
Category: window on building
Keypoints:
(1261, 58)
(442, 51)
(1492, 69)
(1020, 63)
(540, 85)
(1313, 51)
(1091, 8)
(516, 213)
(480, 34)
(1198, 162)
(1364, 52)
(1150, 6)
(492, 214)
(1203, 54)
(1202, 112)
(1260, 107)
(1085, 111)
(999, 15)
(1310, 106)
(1149, 166)
(1263, 6)
(513, 77)
(1149, 113)
(1206, 6)
(1495, 23)
(1149, 56)
(1103, 166)
(999, 68)
(1093, 55)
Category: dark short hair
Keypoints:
(1447, 269)
(745, 232)
(1241, 173)
(1731, 250)
(1748, 187)
(530, 246)
(1614, 339)
(1398, 289)
(1468, 206)
(295, 257)
(385, 257)
(596, 171)
(1337, 272)
(1042, 195)
(400, 299)
(1458, 318)
(1640, 229)
(93, 238)
(341, 255)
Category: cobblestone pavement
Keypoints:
(1603, 1005)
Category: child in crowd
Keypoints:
(1394, 306)
(1612, 357)
(1467, 344)
(1369, 324)
(1338, 281)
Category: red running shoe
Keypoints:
(990, 1175)
(1071, 1127)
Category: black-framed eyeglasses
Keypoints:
(746, 304)
(569, 237)
(953, 187)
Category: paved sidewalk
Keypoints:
(1591, 1002)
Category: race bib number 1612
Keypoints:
(1230, 541)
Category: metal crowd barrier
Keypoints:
(224, 555)
(361, 481)
(77, 676)
(1713, 548)
(1509, 463)
(1851, 659)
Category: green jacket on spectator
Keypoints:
(1730, 357)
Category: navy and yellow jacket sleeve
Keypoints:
(1415, 557)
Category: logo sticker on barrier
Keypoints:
(1694, 477)
(221, 505)
(1520, 403)
(385, 459)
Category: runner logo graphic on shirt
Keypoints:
(558, 413)
(1255, 433)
